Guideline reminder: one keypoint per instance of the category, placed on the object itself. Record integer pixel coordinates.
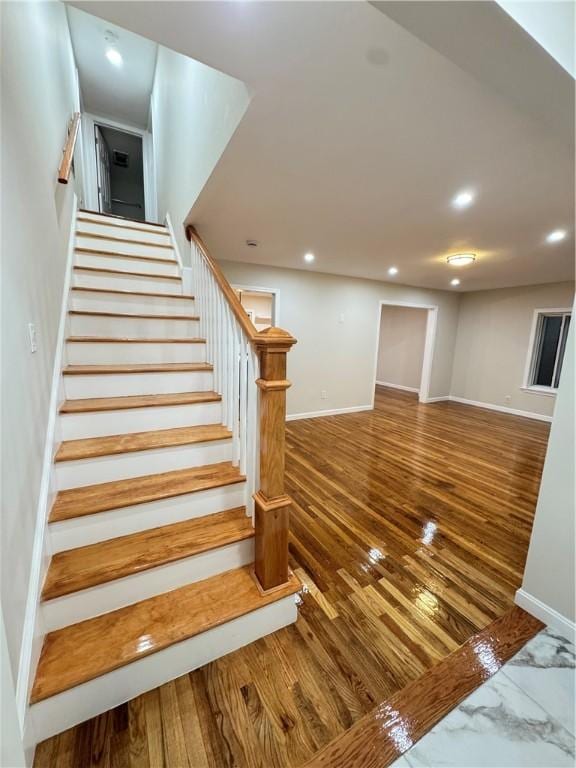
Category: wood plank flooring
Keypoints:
(409, 531)
(389, 730)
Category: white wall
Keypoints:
(492, 344)
(339, 355)
(38, 98)
(550, 566)
(194, 112)
(401, 346)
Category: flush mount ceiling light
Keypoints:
(309, 258)
(393, 271)
(114, 57)
(556, 236)
(455, 281)
(463, 199)
(461, 259)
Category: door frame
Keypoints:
(258, 288)
(91, 177)
(429, 344)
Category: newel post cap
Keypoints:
(274, 339)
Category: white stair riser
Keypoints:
(74, 426)
(90, 529)
(131, 265)
(138, 327)
(134, 249)
(83, 702)
(105, 469)
(151, 235)
(125, 282)
(78, 387)
(118, 302)
(116, 594)
(104, 352)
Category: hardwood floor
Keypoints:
(409, 531)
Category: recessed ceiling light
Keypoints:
(114, 57)
(309, 258)
(393, 271)
(463, 199)
(455, 281)
(252, 243)
(556, 236)
(461, 259)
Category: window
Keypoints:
(549, 334)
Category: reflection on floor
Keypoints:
(522, 717)
(409, 530)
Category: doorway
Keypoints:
(261, 305)
(404, 352)
(119, 172)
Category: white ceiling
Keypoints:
(359, 134)
(121, 93)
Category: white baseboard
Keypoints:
(328, 412)
(397, 386)
(33, 630)
(440, 399)
(545, 613)
(501, 408)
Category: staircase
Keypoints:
(160, 561)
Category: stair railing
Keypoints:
(250, 375)
(68, 151)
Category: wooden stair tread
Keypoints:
(126, 292)
(91, 648)
(90, 499)
(116, 368)
(127, 273)
(115, 238)
(132, 340)
(84, 567)
(88, 404)
(92, 447)
(138, 315)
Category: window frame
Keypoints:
(531, 357)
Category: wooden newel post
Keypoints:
(272, 505)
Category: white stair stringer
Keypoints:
(121, 466)
(118, 593)
(102, 526)
(62, 711)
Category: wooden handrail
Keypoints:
(234, 302)
(68, 154)
(272, 505)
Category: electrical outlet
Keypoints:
(323, 394)
(507, 398)
(341, 318)
(32, 337)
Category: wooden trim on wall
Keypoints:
(69, 147)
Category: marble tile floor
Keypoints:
(522, 717)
